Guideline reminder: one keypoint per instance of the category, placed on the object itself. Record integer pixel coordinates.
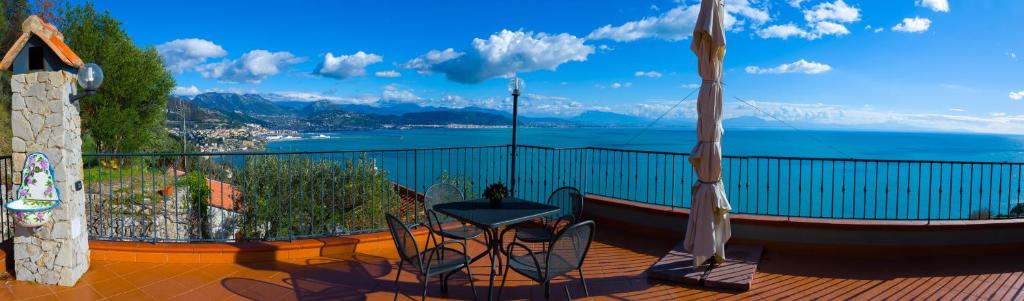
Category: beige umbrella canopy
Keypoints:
(708, 228)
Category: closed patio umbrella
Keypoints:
(707, 228)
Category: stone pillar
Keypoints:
(43, 120)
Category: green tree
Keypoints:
(12, 12)
(127, 113)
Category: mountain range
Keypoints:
(323, 115)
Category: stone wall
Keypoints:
(44, 120)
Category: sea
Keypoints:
(736, 142)
(804, 173)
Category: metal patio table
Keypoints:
(480, 213)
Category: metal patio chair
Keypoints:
(566, 252)
(570, 200)
(437, 261)
(442, 194)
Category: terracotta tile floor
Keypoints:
(615, 270)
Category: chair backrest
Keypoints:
(404, 240)
(569, 248)
(440, 194)
(569, 200)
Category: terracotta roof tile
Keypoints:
(49, 34)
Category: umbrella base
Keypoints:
(736, 273)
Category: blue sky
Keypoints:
(923, 64)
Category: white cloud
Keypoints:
(935, 5)
(654, 7)
(867, 116)
(1017, 95)
(1012, 55)
(784, 32)
(388, 74)
(824, 19)
(674, 25)
(691, 86)
(825, 28)
(422, 64)
(604, 48)
(733, 8)
(838, 115)
(184, 54)
(651, 74)
(956, 110)
(818, 30)
(186, 91)
(313, 96)
(617, 85)
(914, 25)
(345, 66)
(801, 66)
(393, 93)
(795, 3)
(837, 11)
(503, 53)
(253, 67)
(677, 23)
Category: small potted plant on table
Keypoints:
(496, 193)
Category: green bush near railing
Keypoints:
(198, 204)
(283, 197)
(463, 182)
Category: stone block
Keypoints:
(55, 121)
(20, 127)
(37, 91)
(17, 143)
(64, 256)
(56, 108)
(33, 252)
(61, 231)
(35, 122)
(17, 101)
(17, 83)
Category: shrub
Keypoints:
(980, 215)
(284, 197)
(462, 182)
(198, 204)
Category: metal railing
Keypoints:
(6, 193)
(272, 196)
(829, 188)
(289, 195)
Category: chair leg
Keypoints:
(502, 287)
(584, 280)
(547, 290)
(471, 285)
(399, 274)
(444, 283)
(567, 295)
(426, 280)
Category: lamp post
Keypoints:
(514, 85)
(90, 76)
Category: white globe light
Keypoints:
(515, 84)
(90, 76)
